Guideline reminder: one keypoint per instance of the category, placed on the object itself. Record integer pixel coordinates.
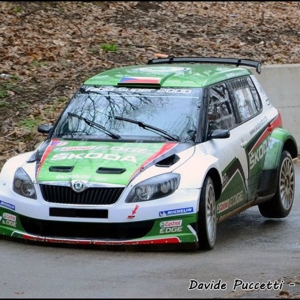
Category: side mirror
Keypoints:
(44, 128)
(219, 134)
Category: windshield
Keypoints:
(102, 112)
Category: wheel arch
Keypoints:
(280, 205)
(215, 176)
(291, 146)
(280, 140)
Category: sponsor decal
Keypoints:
(8, 220)
(259, 153)
(258, 125)
(170, 226)
(236, 199)
(141, 90)
(112, 156)
(76, 148)
(170, 230)
(10, 217)
(223, 206)
(133, 212)
(7, 205)
(106, 148)
(175, 91)
(135, 158)
(177, 211)
(232, 201)
(165, 224)
(116, 157)
(9, 223)
(74, 176)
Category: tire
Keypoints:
(281, 204)
(207, 216)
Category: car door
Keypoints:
(230, 152)
(253, 124)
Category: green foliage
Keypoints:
(93, 50)
(3, 92)
(13, 78)
(8, 84)
(21, 105)
(18, 9)
(30, 123)
(104, 47)
(3, 103)
(108, 47)
(62, 99)
(38, 63)
(57, 106)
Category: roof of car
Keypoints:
(183, 72)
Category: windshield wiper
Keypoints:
(149, 127)
(98, 126)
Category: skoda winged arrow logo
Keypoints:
(78, 185)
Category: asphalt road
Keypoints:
(251, 252)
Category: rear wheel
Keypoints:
(281, 204)
(207, 222)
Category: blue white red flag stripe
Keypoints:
(139, 80)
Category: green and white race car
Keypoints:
(153, 154)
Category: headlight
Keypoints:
(23, 185)
(154, 188)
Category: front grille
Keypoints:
(91, 196)
(59, 229)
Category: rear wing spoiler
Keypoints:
(211, 60)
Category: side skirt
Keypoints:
(236, 211)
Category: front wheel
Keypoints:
(281, 204)
(207, 216)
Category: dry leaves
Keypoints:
(50, 48)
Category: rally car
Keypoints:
(155, 154)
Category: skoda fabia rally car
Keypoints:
(154, 154)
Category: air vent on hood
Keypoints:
(61, 169)
(168, 161)
(110, 170)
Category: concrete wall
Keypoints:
(282, 84)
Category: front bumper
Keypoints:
(171, 220)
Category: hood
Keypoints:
(103, 162)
